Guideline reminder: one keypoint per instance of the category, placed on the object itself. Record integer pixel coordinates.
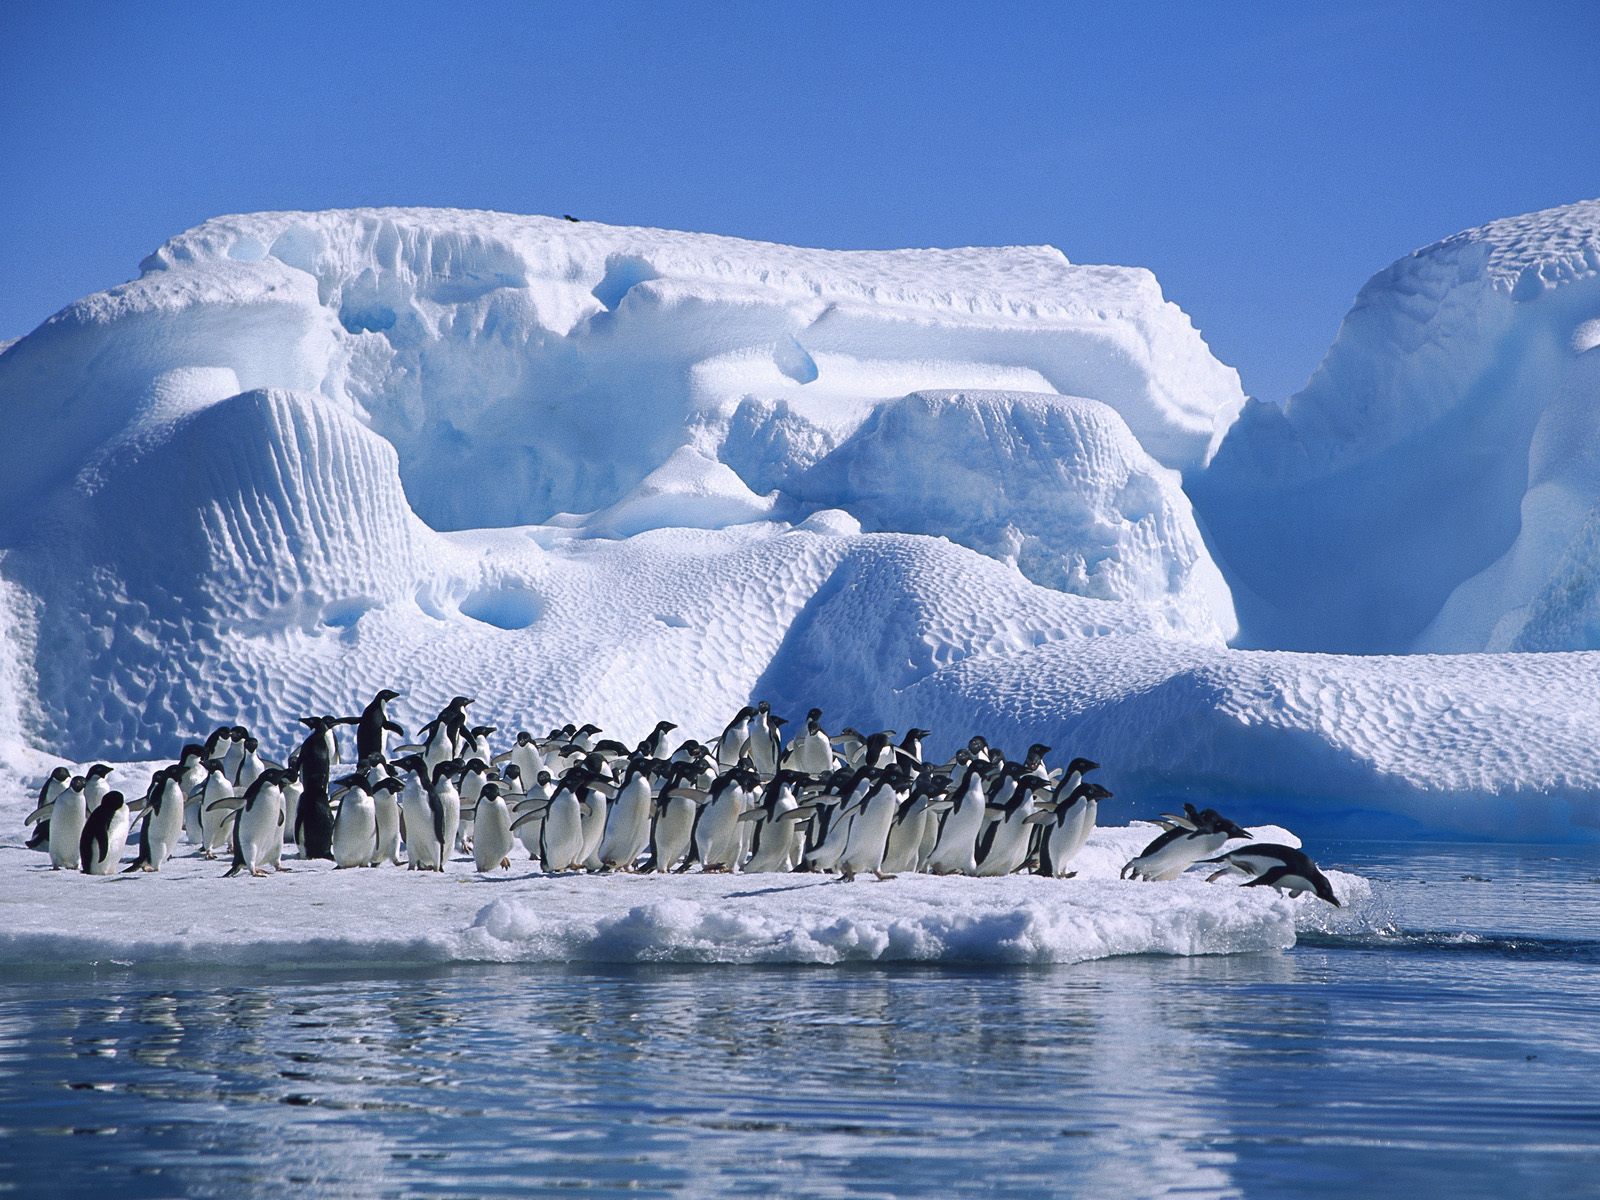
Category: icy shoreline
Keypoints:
(316, 917)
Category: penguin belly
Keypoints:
(1068, 837)
(594, 830)
(422, 848)
(561, 840)
(163, 829)
(355, 830)
(716, 834)
(629, 830)
(869, 836)
(492, 840)
(258, 839)
(67, 817)
(386, 823)
(904, 849)
(673, 831)
(1009, 845)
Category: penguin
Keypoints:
(655, 742)
(810, 752)
(54, 784)
(716, 828)
(473, 778)
(67, 817)
(373, 727)
(869, 831)
(1033, 762)
(628, 832)
(443, 736)
(492, 842)
(163, 820)
(672, 832)
(1003, 847)
(355, 828)
(1067, 826)
(191, 774)
(531, 804)
(448, 800)
(831, 828)
(765, 740)
(1271, 865)
(96, 785)
(1186, 840)
(314, 824)
(293, 789)
(734, 739)
(851, 743)
(258, 824)
(105, 833)
(477, 744)
(776, 820)
(385, 790)
(561, 836)
(233, 751)
(903, 853)
(525, 755)
(911, 745)
(251, 764)
(956, 852)
(597, 806)
(216, 822)
(424, 818)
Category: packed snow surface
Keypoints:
(315, 916)
(592, 473)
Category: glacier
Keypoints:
(591, 472)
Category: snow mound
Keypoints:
(1426, 487)
(1053, 485)
(188, 915)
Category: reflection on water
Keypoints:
(1387, 1066)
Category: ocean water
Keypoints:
(1455, 1052)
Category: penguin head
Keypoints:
(251, 745)
(543, 778)
(763, 707)
(113, 801)
(61, 775)
(460, 702)
(977, 744)
(1082, 766)
(192, 752)
(665, 727)
(814, 714)
(1093, 791)
(99, 771)
(387, 694)
(1037, 751)
(483, 731)
(77, 783)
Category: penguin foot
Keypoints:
(259, 874)
(1070, 875)
(882, 878)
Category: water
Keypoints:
(1454, 1054)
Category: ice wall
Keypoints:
(1433, 479)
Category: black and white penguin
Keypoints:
(868, 838)
(1003, 847)
(163, 820)
(105, 833)
(1067, 826)
(956, 851)
(373, 727)
(68, 813)
(733, 741)
(492, 836)
(1187, 839)
(811, 751)
(1282, 867)
(258, 828)
(54, 784)
(655, 741)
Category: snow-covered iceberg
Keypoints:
(617, 474)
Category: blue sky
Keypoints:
(1263, 160)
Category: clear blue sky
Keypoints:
(1263, 160)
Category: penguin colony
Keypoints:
(853, 804)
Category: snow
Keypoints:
(1433, 486)
(592, 473)
(315, 916)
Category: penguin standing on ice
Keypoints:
(313, 828)
(811, 752)
(258, 829)
(105, 834)
(68, 812)
(54, 784)
(1067, 827)
(163, 820)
